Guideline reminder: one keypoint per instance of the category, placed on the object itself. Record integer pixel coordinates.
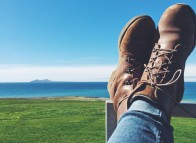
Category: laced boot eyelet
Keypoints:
(129, 70)
(158, 77)
(129, 60)
(128, 82)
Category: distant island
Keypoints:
(41, 81)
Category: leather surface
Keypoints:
(165, 71)
(135, 45)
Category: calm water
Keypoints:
(54, 89)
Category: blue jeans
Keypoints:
(144, 122)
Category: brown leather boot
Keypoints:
(135, 45)
(163, 78)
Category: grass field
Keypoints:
(65, 121)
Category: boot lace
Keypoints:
(163, 70)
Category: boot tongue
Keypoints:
(148, 91)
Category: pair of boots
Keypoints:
(154, 73)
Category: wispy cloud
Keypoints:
(57, 73)
(20, 73)
(190, 73)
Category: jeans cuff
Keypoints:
(142, 104)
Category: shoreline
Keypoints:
(80, 98)
(74, 98)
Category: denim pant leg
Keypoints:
(144, 122)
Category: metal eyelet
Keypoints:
(129, 60)
(158, 76)
(129, 70)
(128, 82)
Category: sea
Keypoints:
(62, 89)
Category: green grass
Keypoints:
(184, 130)
(52, 121)
(66, 121)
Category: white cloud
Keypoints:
(21, 73)
(190, 73)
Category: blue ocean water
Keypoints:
(58, 89)
(53, 89)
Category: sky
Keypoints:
(69, 40)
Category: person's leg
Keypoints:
(143, 122)
(162, 82)
(163, 78)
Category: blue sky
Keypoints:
(69, 40)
